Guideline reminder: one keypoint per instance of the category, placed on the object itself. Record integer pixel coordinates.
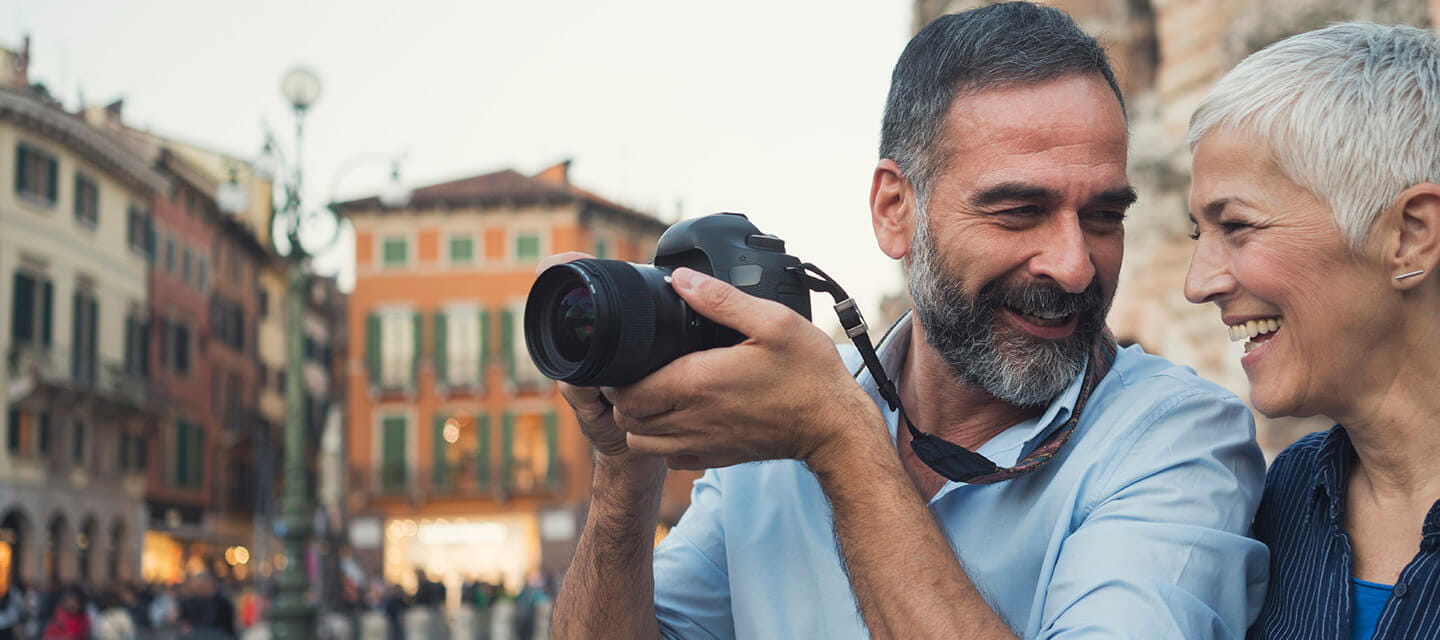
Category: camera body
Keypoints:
(610, 323)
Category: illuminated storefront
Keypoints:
(496, 548)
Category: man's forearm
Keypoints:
(907, 580)
(609, 588)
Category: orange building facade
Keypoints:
(465, 462)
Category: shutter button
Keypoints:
(1400, 589)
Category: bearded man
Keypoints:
(1036, 480)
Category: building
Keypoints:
(205, 489)
(1167, 55)
(74, 253)
(465, 461)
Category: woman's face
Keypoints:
(1269, 255)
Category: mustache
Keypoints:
(1040, 296)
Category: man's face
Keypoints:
(1016, 253)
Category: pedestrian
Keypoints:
(69, 621)
(114, 621)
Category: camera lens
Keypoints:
(605, 322)
(575, 323)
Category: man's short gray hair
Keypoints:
(996, 46)
(1350, 112)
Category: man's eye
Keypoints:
(1109, 216)
(1234, 227)
(1027, 210)
(1195, 232)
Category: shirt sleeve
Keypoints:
(1163, 552)
(692, 587)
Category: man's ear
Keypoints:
(892, 209)
(1415, 234)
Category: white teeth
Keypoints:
(1250, 329)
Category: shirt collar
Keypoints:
(1026, 435)
(1334, 460)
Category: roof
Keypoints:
(32, 113)
(503, 188)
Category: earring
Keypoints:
(1411, 274)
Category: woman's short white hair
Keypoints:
(1350, 112)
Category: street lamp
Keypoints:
(293, 617)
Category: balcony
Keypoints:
(38, 370)
(454, 481)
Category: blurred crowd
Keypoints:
(203, 608)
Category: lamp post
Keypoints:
(293, 617)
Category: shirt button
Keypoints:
(1400, 589)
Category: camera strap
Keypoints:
(946, 458)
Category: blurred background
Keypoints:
(262, 268)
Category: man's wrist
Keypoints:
(858, 432)
(629, 469)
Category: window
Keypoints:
(169, 254)
(77, 443)
(140, 231)
(36, 175)
(202, 275)
(13, 435)
(234, 412)
(527, 246)
(602, 248)
(175, 346)
(462, 249)
(189, 456)
(84, 341)
(136, 354)
(528, 449)
(395, 251)
(263, 303)
(394, 436)
(521, 368)
(460, 346)
(187, 270)
(30, 309)
(227, 322)
(43, 426)
(87, 201)
(398, 349)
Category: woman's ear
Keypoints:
(1416, 233)
(892, 209)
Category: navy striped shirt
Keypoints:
(1301, 519)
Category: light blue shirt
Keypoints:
(1135, 530)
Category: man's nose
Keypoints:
(1065, 257)
(1208, 278)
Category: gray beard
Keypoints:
(1007, 363)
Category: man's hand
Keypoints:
(592, 409)
(783, 393)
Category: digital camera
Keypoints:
(610, 323)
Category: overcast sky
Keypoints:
(764, 107)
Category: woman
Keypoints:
(1316, 201)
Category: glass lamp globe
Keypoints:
(301, 87)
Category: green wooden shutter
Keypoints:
(20, 169)
(439, 465)
(77, 334)
(197, 460)
(507, 342)
(441, 355)
(419, 327)
(392, 456)
(52, 188)
(507, 451)
(47, 318)
(22, 309)
(372, 348)
(484, 345)
(552, 452)
(182, 454)
(482, 451)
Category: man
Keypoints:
(1002, 185)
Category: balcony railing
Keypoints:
(34, 367)
(452, 480)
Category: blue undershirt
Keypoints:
(1367, 600)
